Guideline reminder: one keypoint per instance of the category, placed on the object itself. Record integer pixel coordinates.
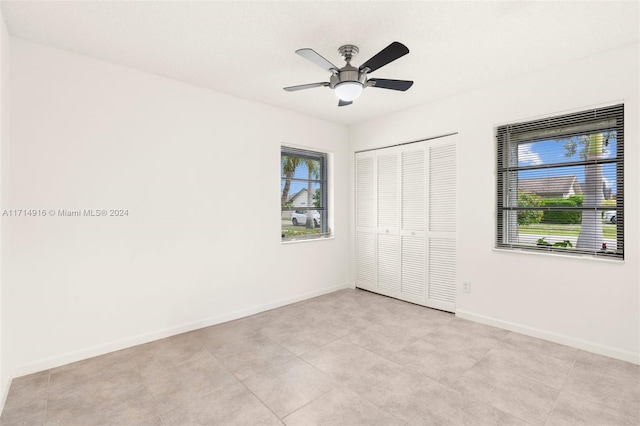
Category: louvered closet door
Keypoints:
(413, 283)
(442, 218)
(406, 222)
(366, 220)
(388, 221)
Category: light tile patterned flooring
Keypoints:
(347, 358)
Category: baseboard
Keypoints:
(91, 352)
(553, 337)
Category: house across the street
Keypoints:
(299, 199)
(552, 186)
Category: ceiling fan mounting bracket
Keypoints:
(348, 51)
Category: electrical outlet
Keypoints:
(466, 287)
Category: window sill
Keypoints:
(577, 256)
(330, 237)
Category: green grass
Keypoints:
(294, 231)
(571, 230)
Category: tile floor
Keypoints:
(347, 358)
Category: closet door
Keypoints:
(442, 219)
(388, 221)
(366, 220)
(413, 283)
(406, 222)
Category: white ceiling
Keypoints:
(247, 49)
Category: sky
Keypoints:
(554, 152)
(302, 172)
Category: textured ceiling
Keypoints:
(247, 49)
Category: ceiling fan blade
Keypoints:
(389, 54)
(384, 83)
(344, 103)
(317, 59)
(304, 86)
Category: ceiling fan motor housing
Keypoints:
(348, 73)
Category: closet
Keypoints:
(406, 233)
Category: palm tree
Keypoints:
(590, 236)
(591, 230)
(314, 171)
(289, 164)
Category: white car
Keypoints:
(299, 217)
(610, 216)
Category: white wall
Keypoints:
(586, 303)
(4, 138)
(86, 135)
(91, 135)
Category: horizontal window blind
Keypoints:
(560, 185)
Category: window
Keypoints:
(560, 184)
(303, 189)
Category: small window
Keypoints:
(561, 184)
(303, 194)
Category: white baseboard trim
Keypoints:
(97, 350)
(553, 337)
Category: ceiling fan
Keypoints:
(348, 82)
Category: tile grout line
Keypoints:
(531, 378)
(342, 386)
(260, 400)
(153, 399)
(278, 366)
(541, 349)
(46, 402)
(304, 405)
(161, 414)
(497, 341)
(479, 359)
(379, 407)
(297, 357)
(575, 358)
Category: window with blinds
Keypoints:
(560, 184)
(303, 190)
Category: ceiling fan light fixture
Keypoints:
(348, 90)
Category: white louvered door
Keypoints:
(412, 209)
(406, 222)
(388, 218)
(366, 220)
(442, 218)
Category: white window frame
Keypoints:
(324, 161)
